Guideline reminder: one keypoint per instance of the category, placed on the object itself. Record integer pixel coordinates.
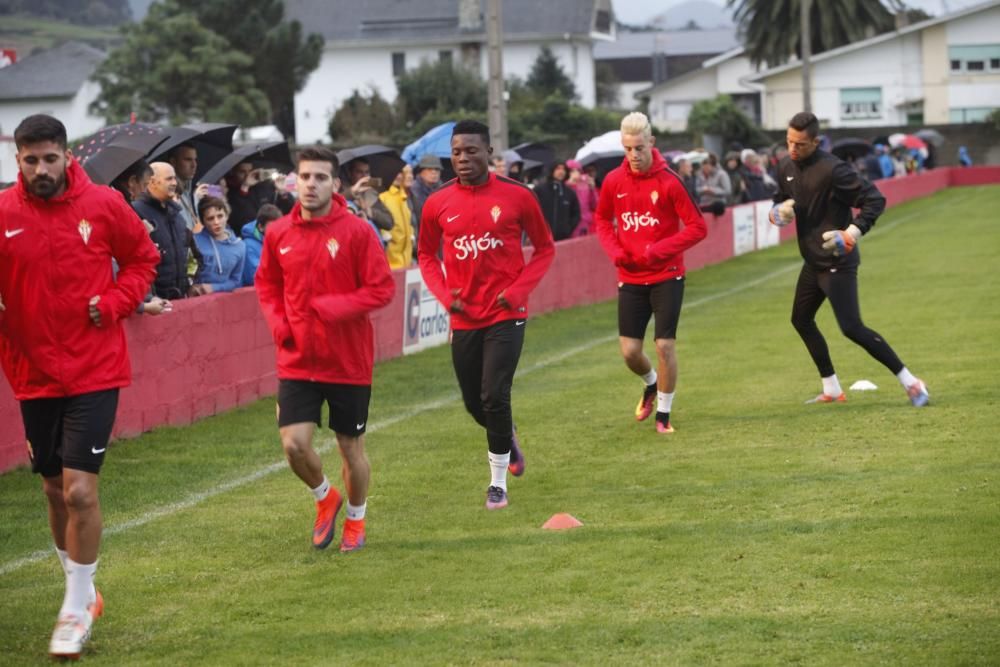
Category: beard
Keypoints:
(45, 187)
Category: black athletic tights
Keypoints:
(841, 287)
(485, 361)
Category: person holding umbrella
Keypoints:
(818, 192)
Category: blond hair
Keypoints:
(636, 123)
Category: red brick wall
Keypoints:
(214, 353)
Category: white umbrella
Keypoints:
(605, 143)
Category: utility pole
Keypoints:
(497, 114)
(806, 39)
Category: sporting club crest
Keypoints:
(85, 230)
(495, 213)
(654, 195)
(333, 247)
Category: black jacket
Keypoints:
(825, 189)
(172, 239)
(560, 207)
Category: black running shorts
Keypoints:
(301, 401)
(637, 303)
(69, 432)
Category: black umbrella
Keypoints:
(110, 151)
(850, 147)
(213, 141)
(534, 150)
(385, 162)
(930, 136)
(604, 162)
(268, 154)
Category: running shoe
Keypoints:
(326, 518)
(96, 608)
(353, 537)
(71, 633)
(663, 423)
(496, 498)
(918, 394)
(645, 407)
(827, 398)
(516, 465)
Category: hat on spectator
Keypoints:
(574, 164)
(745, 153)
(429, 162)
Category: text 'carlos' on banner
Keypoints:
(425, 320)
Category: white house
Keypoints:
(670, 102)
(55, 82)
(369, 44)
(939, 71)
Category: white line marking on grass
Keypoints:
(329, 442)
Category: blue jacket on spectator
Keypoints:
(253, 239)
(222, 265)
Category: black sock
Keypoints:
(663, 417)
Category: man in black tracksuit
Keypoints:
(817, 191)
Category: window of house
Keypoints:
(856, 103)
(974, 58)
(398, 64)
(969, 114)
(602, 22)
(444, 56)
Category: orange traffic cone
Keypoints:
(561, 521)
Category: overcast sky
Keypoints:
(639, 11)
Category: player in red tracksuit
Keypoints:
(62, 346)
(322, 270)
(485, 283)
(645, 220)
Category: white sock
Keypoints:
(831, 386)
(650, 377)
(664, 401)
(906, 378)
(323, 489)
(63, 557)
(498, 468)
(79, 584)
(356, 512)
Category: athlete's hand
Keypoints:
(633, 264)
(456, 303)
(156, 306)
(95, 314)
(502, 301)
(841, 242)
(783, 214)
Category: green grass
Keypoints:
(763, 531)
(27, 33)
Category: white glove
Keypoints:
(784, 213)
(841, 242)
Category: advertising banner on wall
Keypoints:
(743, 229)
(767, 234)
(425, 320)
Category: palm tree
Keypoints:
(772, 30)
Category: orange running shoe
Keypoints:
(326, 518)
(663, 423)
(354, 535)
(516, 465)
(96, 608)
(827, 398)
(645, 407)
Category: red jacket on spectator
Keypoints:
(317, 281)
(55, 255)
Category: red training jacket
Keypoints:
(317, 281)
(647, 244)
(55, 255)
(481, 226)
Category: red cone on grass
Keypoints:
(561, 521)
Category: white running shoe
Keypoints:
(71, 633)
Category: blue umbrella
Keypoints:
(437, 142)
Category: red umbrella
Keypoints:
(907, 141)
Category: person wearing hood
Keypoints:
(514, 163)
(559, 203)
(321, 273)
(586, 194)
(399, 249)
(62, 345)
(253, 239)
(963, 157)
(427, 179)
(223, 253)
(639, 220)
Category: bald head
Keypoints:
(163, 183)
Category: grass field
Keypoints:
(763, 531)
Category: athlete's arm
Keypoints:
(533, 222)
(428, 246)
(270, 285)
(137, 258)
(849, 188)
(694, 229)
(603, 221)
(377, 286)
